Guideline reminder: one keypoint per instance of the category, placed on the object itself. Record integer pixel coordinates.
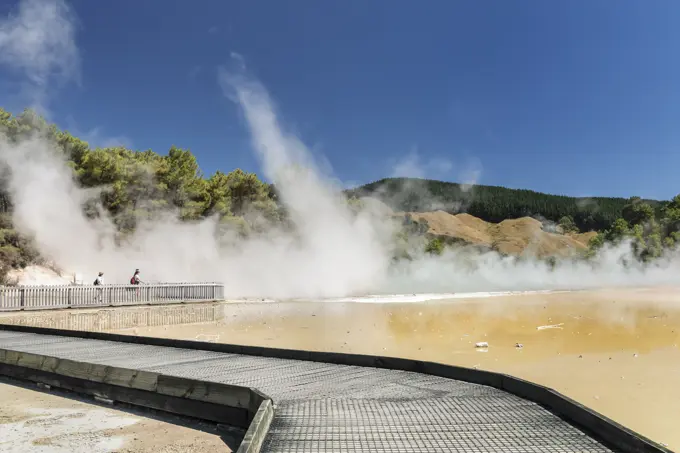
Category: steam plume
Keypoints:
(333, 253)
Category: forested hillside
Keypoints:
(138, 185)
(492, 203)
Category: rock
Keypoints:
(39, 275)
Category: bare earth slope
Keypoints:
(512, 236)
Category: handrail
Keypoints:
(43, 297)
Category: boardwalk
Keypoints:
(328, 408)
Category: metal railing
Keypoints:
(14, 298)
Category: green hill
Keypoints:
(493, 203)
(134, 186)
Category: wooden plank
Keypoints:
(259, 427)
(199, 409)
(124, 377)
(143, 380)
(228, 395)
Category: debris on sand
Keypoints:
(482, 344)
(519, 345)
(554, 326)
(210, 338)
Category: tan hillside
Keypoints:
(584, 237)
(512, 236)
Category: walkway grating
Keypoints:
(326, 408)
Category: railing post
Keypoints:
(69, 296)
(22, 296)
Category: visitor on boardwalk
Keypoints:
(135, 280)
(99, 281)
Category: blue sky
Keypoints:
(579, 97)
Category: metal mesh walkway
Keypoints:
(332, 408)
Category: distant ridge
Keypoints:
(493, 203)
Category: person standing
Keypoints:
(99, 281)
(135, 280)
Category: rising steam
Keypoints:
(333, 252)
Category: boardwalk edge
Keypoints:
(261, 408)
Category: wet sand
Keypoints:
(616, 351)
(59, 422)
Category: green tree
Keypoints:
(670, 216)
(493, 204)
(637, 212)
(219, 195)
(435, 247)
(245, 189)
(567, 224)
(595, 244)
(181, 177)
(355, 205)
(135, 185)
(618, 231)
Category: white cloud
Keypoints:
(37, 39)
(469, 175)
(96, 137)
(413, 166)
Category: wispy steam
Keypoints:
(38, 40)
(412, 166)
(97, 137)
(317, 208)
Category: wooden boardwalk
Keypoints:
(340, 408)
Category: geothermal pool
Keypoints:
(614, 350)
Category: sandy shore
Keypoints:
(614, 350)
(57, 422)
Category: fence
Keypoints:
(65, 296)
